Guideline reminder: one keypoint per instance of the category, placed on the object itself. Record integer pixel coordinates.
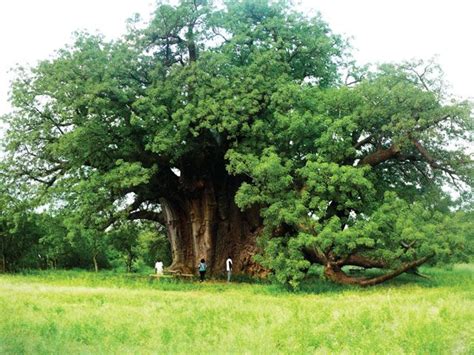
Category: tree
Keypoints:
(229, 123)
(89, 240)
(153, 245)
(138, 240)
(19, 232)
(125, 240)
(55, 248)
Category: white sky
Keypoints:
(389, 30)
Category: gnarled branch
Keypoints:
(335, 273)
(381, 155)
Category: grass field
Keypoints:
(80, 312)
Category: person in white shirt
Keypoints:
(159, 268)
(228, 268)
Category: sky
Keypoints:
(381, 31)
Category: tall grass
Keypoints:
(80, 312)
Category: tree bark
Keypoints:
(96, 266)
(381, 155)
(205, 223)
(129, 261)
(359, 260)
(4, 259)
(4, 263)
(335, 273)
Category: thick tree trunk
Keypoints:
(205, 223)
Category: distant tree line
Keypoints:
(39, 240)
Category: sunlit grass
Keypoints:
(60, 312)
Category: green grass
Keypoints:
(81, 312)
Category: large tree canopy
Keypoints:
(231, 123)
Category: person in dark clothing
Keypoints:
(202, 270)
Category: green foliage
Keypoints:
(253, 87)
(394, 233)
(153, 245)
(140, 242)
(55, 247)
(347, 168)
(283, 255)
(19, 233)
(30, 239)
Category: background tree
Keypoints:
(223, 123)
(153, 245)
(55, 248)
(19, 233)
(124, 238)
(140, 242)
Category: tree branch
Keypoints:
(359, 260)
(431, 161)
(148, 215)
(335, 273)
(395, 273)
(48, 117)
(363, 142)
(381, 155)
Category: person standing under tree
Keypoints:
(159, 268)
(228, 268)
(202, 270)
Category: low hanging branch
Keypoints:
(335, 273)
